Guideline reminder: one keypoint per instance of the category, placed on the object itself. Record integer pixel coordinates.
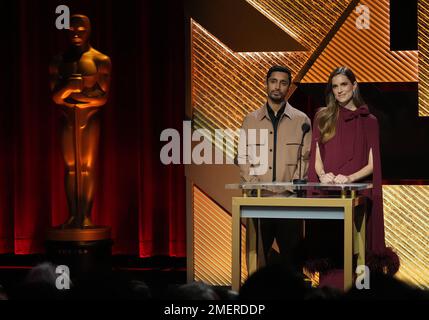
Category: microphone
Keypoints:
(305, 128)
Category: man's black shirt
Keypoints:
(275, 119)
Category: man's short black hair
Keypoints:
(279, 69)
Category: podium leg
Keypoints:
(236, 247)
(252, 232)
(359, 227)
(348, 247)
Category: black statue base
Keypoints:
(84, 251)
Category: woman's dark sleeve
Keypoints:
(375, 226)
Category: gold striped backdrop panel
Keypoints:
(213, 242)
(406, 216)
(366, 51)
(307, 21)
(423, 44)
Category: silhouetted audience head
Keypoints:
(323, 294)
(39, 284)
(274, 282)
(3, 293)
(110, 286)
(193, 291)
(138, 290)
(385, 287)
(225, 294)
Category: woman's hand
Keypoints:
(340, 179)
(327, 178)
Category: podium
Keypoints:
(347, 206)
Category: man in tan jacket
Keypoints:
(268, 151)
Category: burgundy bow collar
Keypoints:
(347, 114)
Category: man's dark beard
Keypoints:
(277, 100)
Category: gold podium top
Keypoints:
(290, 187)
(306, 186)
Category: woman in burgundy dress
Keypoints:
(345, 149)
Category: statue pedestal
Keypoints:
(84, 251)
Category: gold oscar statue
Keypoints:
(80, 80)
